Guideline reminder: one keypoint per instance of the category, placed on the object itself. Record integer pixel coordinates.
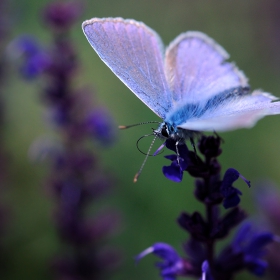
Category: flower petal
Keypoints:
(173, 172)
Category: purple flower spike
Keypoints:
(76, 180)
(172, 264)
(231, 194)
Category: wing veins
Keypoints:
(136, 60)
(162, 75)
(145, 56)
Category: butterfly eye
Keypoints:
(164, 131)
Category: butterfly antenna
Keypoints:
(144, 162)
(137, 143)
(132, 125)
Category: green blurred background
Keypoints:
(248, 30)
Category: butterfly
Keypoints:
(189, 85)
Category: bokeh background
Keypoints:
(248, 30)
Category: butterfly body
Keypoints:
(170, 130)
(189, 85)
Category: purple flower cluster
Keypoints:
(76, 180)
(247, 249)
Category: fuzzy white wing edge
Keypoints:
(241, 113)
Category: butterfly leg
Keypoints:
(193, 145)
(177, 151)
(218, 136)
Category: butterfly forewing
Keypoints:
(195, 89)
(134, 53)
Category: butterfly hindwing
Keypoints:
(242, 111)
(196, 69)
(134, 52)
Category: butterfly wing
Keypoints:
(242, 111)
(196, 69)
(134, 53)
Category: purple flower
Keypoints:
(179, 163)
(186, 160)
(172, 264)
(231, 194)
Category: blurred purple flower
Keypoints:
(62, 14)
(251, 243)
(35, 59)
(247, 251)
(101, 125)
(27, 45)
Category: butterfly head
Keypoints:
(167, 130)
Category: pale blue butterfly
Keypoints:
(190, 87)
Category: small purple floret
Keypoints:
(171, 266)
(230, 193)
(173, 172)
